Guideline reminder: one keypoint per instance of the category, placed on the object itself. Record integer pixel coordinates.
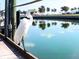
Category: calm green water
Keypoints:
(53, 40)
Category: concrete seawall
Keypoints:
(56, 17)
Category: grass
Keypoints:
(63, 15)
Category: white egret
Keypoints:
(23, 28)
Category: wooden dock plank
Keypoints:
(5, 52)
(9, 50)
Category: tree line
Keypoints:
(43, 9)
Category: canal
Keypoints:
(53, 39)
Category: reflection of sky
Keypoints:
(54, 42)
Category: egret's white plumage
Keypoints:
(23, 28)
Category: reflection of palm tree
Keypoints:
(65, 25)
(74, 23)
(34, 23)
(54, 23)
(48, 24)
(42, 26)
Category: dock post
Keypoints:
(9, 20)
(6, 18)
(13, 21)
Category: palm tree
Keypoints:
(65, 8)
(48, 9)
(75, 8)
(53, 10)
(72, 9)
(41, 9)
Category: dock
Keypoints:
(9, 21)
(9, 50)
(6, 52)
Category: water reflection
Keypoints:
(52, 40)
(43, 24)
(48, 24)
(34, 23)
(74, 23)
(64, 25)
(54, 23)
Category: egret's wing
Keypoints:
(22, 29)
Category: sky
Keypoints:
(48, 3)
